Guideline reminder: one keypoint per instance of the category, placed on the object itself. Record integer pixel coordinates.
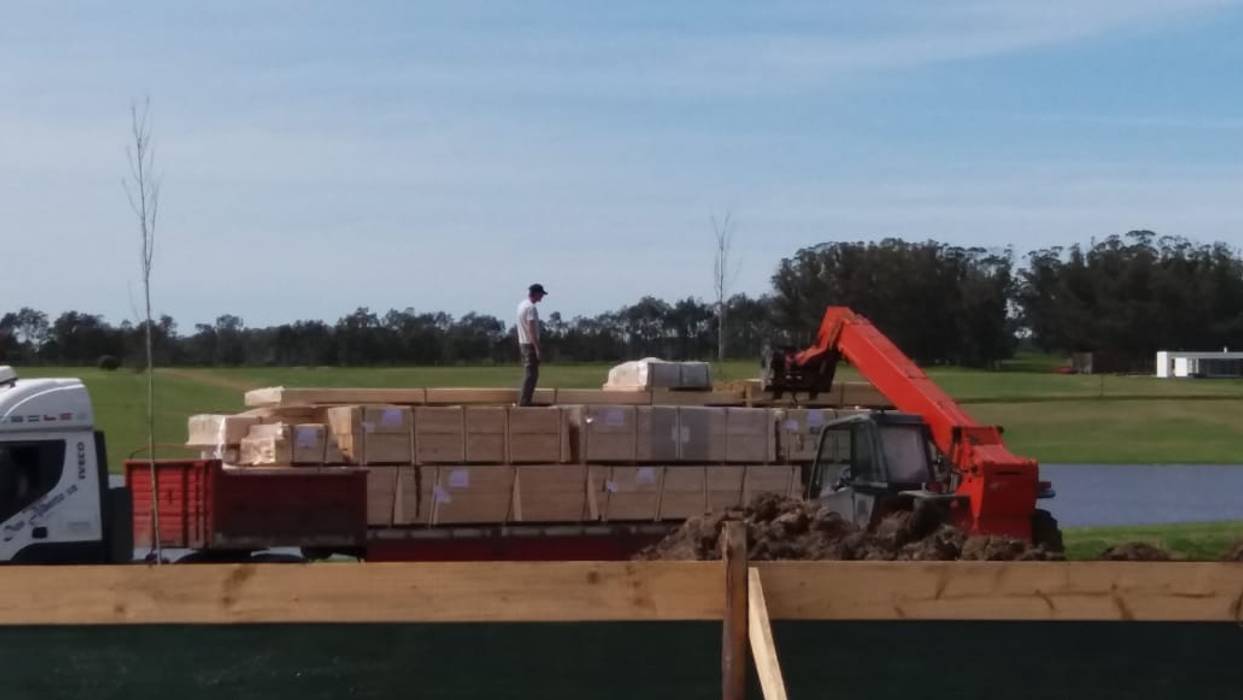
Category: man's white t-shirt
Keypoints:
(527, 316)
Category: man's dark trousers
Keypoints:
(530, 361)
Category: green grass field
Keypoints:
(1051, 417)
(1193, 541)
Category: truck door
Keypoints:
(847, 471)
(49, 498)
(866, 479)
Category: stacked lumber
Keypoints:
(659, 434)
(468, 456)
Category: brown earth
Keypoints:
(791, 529)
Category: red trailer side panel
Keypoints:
(204, 506)
(256, 508)
(183, 495)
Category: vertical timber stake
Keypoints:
(734, 631)
(763, 649)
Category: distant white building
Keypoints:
(1199, 364)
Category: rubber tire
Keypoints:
(1045, 532)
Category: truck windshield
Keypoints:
(906, 454)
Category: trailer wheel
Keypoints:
(1045, 532)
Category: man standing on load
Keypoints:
(528, 341)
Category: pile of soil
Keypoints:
(1136, 551)
(792, 529)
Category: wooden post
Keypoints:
(734, 632)
(763, 649)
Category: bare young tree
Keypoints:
(722, 274)
(142, 187)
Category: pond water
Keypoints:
(1139, 494)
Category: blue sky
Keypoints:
(316, 157)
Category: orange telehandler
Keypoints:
(870, 464)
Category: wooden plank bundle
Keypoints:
(372, 434)
(667, 434)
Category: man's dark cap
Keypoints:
(536, 289)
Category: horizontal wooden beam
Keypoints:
(348, 592)
(1104, 591)
(618, 591)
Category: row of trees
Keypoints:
(1125, 296)
(680, 330)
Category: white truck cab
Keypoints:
(54, 495)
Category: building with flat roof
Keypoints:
(1208, 365)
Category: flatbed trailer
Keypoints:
(222, 513)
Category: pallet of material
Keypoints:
(550, 493)
(688, 434)
(393, 497)
(647, 493)
(469, 494)
(372, 434)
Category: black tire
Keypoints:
(1045, 532)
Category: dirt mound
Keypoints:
(786, 528)
(1135, 551)
(1235, 553)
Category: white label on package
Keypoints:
(306, 438)
(790, 426)
(368, 427)
(440, 495)
(459, 479)
(613, 417)
(390, 417)
(686, 434)
(610, 486)
(646, 475)
(815, 419)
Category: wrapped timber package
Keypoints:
(393, 497)
(538, 435)
(783, 480)
(682, 493)
(372, 434)
(460, 434)
(485, 434)
(605, 433)
(381, 495)
(550, 493)
(724, 487)
(671, 434)
(750, 435)
(654, 373)
(624, 493)
(469, 494)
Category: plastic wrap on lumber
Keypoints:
(1102, 591)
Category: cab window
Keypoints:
(834, 457)
(864, 468)
(906, 454)
(28, 471)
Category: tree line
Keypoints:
(683, 329)
(1124, 297)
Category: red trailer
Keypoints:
(228, 513)
(213, 510)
